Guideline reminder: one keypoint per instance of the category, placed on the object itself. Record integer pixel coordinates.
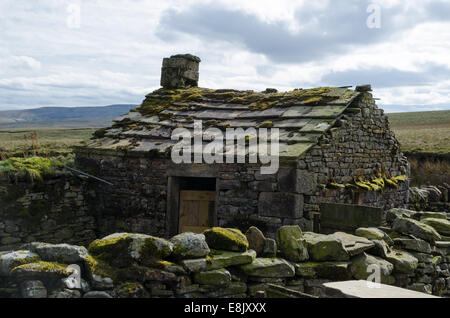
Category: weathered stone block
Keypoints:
(306, 182)
(279, 204)
(346, 217)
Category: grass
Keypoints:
(425, 139)
(423, 133)
(46, 142)
(32, 168)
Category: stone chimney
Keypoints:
(180, 71)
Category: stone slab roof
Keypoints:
(302, 116)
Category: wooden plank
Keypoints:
(198, 195)
(196, 209)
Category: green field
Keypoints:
(47, 142)
(426, 133)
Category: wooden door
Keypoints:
(196, 211)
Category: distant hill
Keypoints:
(65, 117)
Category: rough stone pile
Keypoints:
(226, 263)
(432, 198)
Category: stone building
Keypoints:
(335, 146)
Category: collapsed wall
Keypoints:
(226, 263)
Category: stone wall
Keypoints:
(54, 210)
(362, 147)
(226, 263)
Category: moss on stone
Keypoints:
(266, 124)
(43, 267)
(110, 249)
(375, 183)
(226, 239)
(163, 99)
(154, 249)
(101, 268)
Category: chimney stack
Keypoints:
(180, 71)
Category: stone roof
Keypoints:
(302, 116)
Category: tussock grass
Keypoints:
(32, 168)
(425, 172)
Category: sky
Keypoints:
(100, 52)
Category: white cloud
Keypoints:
(115, 56)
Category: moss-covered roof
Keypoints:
(302, 115)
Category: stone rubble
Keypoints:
(189, 265)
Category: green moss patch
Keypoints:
(113, 250)
(181, 99)
(42, 267)
(32, 168)
(226, 239)
(101, 268)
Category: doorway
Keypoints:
(193, 204)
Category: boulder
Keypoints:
(43, 271)
(194, 265)
(442, 226)
(416, 245)
(97, 294)
(418, 229)
(354, 245)
(269, 268)
(270, 248)
(365, 265)
(256, 239)
(324, 270)
(425, 215)
(122, 249)
(235, 288)
(371, 233)
(291, 243)
(63, 253)
(403, 262)
(66, 293)
(222, 259)
(9, 260)
(101, 274)
(226, 239)
(170, 267)
(33, 289)
(393, 214)
(217, 277)
(325, 248)
(189, 245)
(130, 290)
(380, 249)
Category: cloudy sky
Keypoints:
(100, 52)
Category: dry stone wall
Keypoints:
(223, 262)
(53, 211)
